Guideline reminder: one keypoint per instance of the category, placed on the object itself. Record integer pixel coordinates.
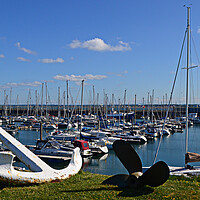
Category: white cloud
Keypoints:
(50, 60)
(122, 73)
(49, 81)
(23, 59)
(29, 84)
(77, 78)
(2, 56)
(98, 44)
(24, 49)
(198, 31)
(118, 74)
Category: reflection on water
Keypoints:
(172, 151)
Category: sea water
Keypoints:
(172, 151)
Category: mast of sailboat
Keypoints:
(152, 99)
(99, 125)
(143, 107)
(5, 103)
(42, 99)
(17, 104)
(187, 78)
(67, 100)
(148, 103)
(64, 110)
(46, 101)
(10, 99)
(81, 106)
(135, 110)
(59, 102)
(124, 110)
(28, 102)
(93, 101)
(36, 104)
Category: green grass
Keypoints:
(88, 186)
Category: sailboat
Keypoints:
(189, 156)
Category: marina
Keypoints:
(171, 150)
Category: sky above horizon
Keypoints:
(114, 45)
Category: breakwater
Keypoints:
(56, 110)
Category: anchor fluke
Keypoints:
(40, 171)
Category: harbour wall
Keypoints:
(159, 111)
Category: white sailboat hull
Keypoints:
(182, 171)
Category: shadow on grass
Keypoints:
(13, 184)
(133, 192)
(125, 192)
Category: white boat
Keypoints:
(84, 147)
(49, 126)
(64, 136)
(82, 144)
(153, 132)
(164, 131)
(51, 149)
(64, 125)
(113, 130)
(131, 138)
(98, 147)
(97, 135)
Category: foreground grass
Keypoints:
(85, 185)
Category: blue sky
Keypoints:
(113, 44)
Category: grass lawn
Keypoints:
(88, 186)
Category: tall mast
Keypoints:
(97, 104)
(17, 104)
(187, 78)
(42, 99)
(64, 110)
(36, 105)
(135, 109)
(143, 106)
(124, 109)
(148, 107)
(10, 99)
(67, 100)
(46, 100)
(93, 100)
(28, 108)
(5, 103)
(152, 99)
(81, 106)
(58, 102)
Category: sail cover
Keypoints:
(192, 157)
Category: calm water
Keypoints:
(172, 151)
